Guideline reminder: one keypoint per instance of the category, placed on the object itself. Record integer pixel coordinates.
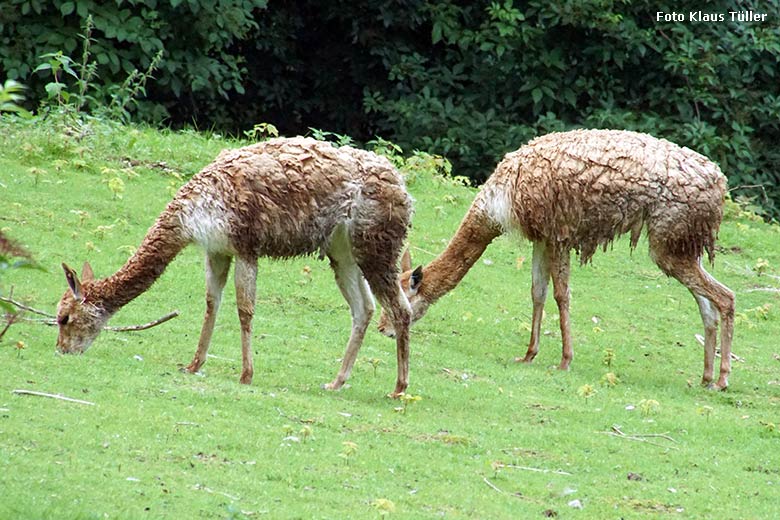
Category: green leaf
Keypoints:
(67, 8)
(537, 95)
(54, 89)
(436, 33)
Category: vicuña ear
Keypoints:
(406, 261)
(73, 281)
(416, 279)
(86, 272)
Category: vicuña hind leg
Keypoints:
(559, 270)
(217, 267)
(246, 282)
(692, 275)
(355, 290)
(540, 276)
(710, 318)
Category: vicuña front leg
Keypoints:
(246, 280)
(217, 267)
(540, 277)
(361, 305)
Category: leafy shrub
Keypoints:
(466, 80)
(197, 38)
(11, 97)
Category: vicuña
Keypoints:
(278, 199)
(580, 190)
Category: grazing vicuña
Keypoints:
(580, 190)
(278, 199)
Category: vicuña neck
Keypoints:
(162, 243)
(445, 272)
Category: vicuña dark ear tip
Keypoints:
(417, 276)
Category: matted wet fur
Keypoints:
(580, 190)
(281, 198)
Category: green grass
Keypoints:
(162, 444)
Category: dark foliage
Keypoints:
(471, 80)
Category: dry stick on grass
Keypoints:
(52, 396)
(641, 437)
(52, 319)
(492, 486)
(537, 470)
(145, 326)
(10, 317)
(25, 307)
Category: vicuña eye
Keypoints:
(63, 320)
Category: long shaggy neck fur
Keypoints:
(445, 272)
(162, 243)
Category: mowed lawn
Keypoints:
(488, 438)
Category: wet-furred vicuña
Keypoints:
(280, 198)
(580, 190)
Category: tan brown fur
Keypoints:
(606, 183)
(580, 190)
(280, 198)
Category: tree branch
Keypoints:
(128, 328)
(25, 307)
(52, 396)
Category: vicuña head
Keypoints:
(424, 286)
(79, 317)
(410, 284)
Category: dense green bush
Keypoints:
(491, 77)
(470, 80)
(199, 40)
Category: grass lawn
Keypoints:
(488, 439)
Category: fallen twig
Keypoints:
(10, 319)
(220, 358)
(492, 486)
(734, 357)
(52, 396)
(25, 307)
(201, 487)
(640, 437)
(145, 326)
(423, 251)
(52, 319)
(538, 470)
(763, 289)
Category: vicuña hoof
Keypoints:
(398, 392)
(527, 359)
(334, 386)
(246, 378)
(192, 368)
